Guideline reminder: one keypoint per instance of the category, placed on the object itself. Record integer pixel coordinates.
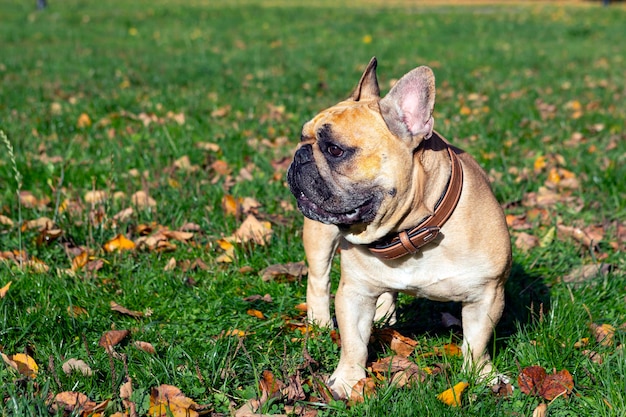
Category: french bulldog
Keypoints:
(410, 213)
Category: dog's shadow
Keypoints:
(526, 298)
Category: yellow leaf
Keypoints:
(119, 243)
(540, 163)
(25, 365)
(452, 396)
(83, 121)
(5, 289)
(367, 39)
(465, 111)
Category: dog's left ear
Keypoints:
(367, 88)
(408, 107)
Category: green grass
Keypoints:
(121, 58)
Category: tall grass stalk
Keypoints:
(18, 179)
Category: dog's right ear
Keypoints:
(408, 107)
(367, 88)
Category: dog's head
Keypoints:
(354, 166)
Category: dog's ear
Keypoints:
(408, 107)
(367, 88)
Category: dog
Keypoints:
(410, 213)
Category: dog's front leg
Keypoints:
(320, 244)
(479, 319)
(355, 312)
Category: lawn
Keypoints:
(142, 138)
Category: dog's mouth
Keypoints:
(363, 213)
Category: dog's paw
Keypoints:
(341, 385)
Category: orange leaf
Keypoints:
(603, 333)
(403, 346)
(119, 243)
(80, 260)
(5, 289)
(83, 121)
(22, 363)
(365, 387)
(269, 386)
(145, 346)
(255, 313)
(231, 205)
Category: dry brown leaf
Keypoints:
(119, 243)
(126, 392)
(142, 200)
(403, 346)
(603, 333)
(402, 370)
(541, 410)
(221, 167)
(587, 272)
(76, 311)
(5, 221)
(112, 338)
(577, 234)
(166, 399)
(290, 271)
(170, 265)
(364, 387)
(178, 235)
(556, 385)
(530, 379)
(42, 223)
(124, 215)
(145, 346)
(95, 196)
(208, 146)
(120, 309)
(77, 365)
(28, 200)
(256, 297)
(5, 289)
(526, 242)
(254, 230)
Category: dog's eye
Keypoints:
(335, 151)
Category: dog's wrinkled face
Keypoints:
(354, 166)
(340, 173)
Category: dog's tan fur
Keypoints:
(401, 158)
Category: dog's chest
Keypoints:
(433, 275)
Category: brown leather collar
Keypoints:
(410, 241)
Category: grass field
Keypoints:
(199, 105)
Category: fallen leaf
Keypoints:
(364, 387)
(452, 396)
(541, 410)
(270, 386)
(145, 346)
(557, 384)
(126, 392)
(256, 313)
(292, 270)
(403, 346)
(77, 365)
(530, 379)
(254, 230)
(119, 243)
(603, 333)
(256, 297)
(170, 265)
(76, 311)
(112, 338)
(95, 196)
(142, 200)
(231, 206)
(42, 223)
(5, 221)
(5, 289)
(83, 121)
(577, 234)
(22, 363)
(526, 242)
(402, 370)
(587, 272)
(168, 400)
(178, 235)
(116, 307)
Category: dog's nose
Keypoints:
(304, 155)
